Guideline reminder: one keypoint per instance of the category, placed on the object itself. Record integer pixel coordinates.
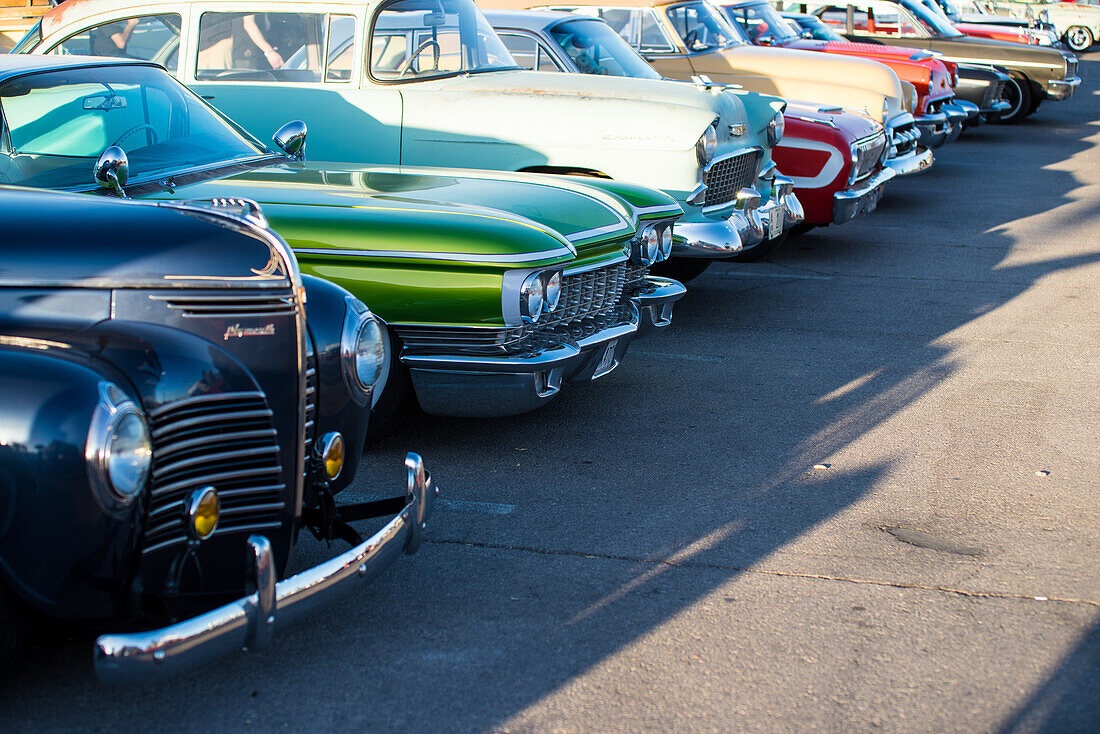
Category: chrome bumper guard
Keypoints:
(718, 238)
(1061, 89)
(847, 205)
(148, 657)
(958, 115)
(911, 163)
(935, 129)
(783, 203)
(655, 301)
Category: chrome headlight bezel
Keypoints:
(532, 297)
(776, 127)
(362, 350)
(551, 290)
(113, 490)
(666, 242)
(707, 145)
(646, 246)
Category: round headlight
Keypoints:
(119, 450)
(362, 349)
(666, 242)
(531, 295)
(707, 145)
(551, 292)
(129, 455)
(369, 353)
(776, 128)
(648, 246)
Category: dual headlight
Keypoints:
(652, 245)
(362, 349)
(119, 451)
(707, 145)
(539, 293)
(775, 129)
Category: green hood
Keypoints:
(482, 217)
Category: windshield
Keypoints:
(424, 39)
(702, 28)
(818, 29)
(56, 124)
(596, 49)
(934, 23)
(760, 20)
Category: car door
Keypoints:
(263, 67)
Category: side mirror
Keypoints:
(765, 40)
(112, 169)
(809, 35)
(291, 138)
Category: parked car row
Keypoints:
(461, 213)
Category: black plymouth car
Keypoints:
(169, 424)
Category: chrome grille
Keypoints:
(585, 296)
(1071, 68)
(311, 401)
(903, 140)
(997, 92)
(727, 176)
(868, 153)
(225, 440)
(278, 303)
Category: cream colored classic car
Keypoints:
(1078, 23)
(686, 40)
(428, 82)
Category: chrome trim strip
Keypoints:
(449, 256)
(673, 209)
(586, 233)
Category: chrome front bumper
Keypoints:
(1061, 89)
(911, 163)
(472, 385)
(847, 205)
(934, 129)
(147, 657)
(958, 114)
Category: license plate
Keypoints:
(775, 224)
(607, 361)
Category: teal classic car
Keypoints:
(494, 289)
(428, 82)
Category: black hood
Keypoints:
(78, 240)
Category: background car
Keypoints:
(399, 86)
(998, 31)
(685, 40)
(833, 157)
(978, 87)
(169, 425)
(1078, 23)
(1036, 72)
(494, 289)
(937, 116)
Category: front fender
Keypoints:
(326, 309)
(60, 551)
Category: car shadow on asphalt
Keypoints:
(570, 532)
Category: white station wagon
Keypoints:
(428, 82)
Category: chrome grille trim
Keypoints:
(868, 154)
(585, 296)
(726, 176)
(224, 440)
(1071, 69)
(279, 303)
(311, 406)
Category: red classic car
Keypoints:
(939, 116)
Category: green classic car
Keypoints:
(496, 287)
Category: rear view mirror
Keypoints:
(435, 19)
(291, 138)
(104, 102)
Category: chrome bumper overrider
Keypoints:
(1062, 88)
(934, 129)
(914, 162)
(847, 205)
(655, 302)
(146, 657)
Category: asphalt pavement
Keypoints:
(854, 488)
